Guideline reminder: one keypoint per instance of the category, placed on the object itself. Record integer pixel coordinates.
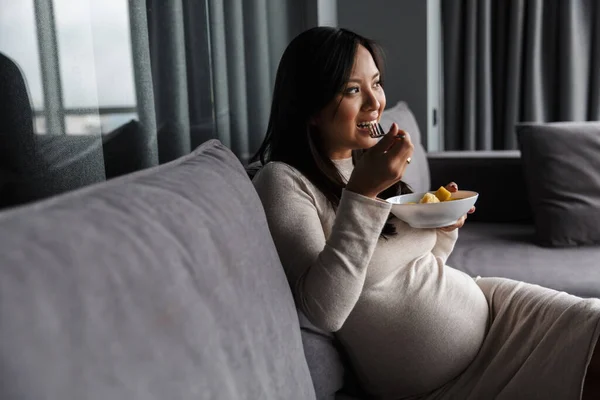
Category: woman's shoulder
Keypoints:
(278, 180)
(277, 172)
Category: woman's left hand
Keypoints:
(453, 187)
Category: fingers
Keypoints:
(402, 146)
(459, 224)
(471, 211)
(452, 187)
(450, 228)
(387, 141)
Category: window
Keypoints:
(83, 57)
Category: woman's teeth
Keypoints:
(366, 124)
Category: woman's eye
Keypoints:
(377, 84)
(352, 90)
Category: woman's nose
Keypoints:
(371, 102)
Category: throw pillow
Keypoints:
(124, 150)
(562, 172)
(162, 284)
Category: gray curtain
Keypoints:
(202, 69)
(507, 61)
(213, 68)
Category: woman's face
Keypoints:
(362, 101)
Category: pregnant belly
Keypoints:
(417, 334)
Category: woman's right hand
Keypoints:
(383, 165)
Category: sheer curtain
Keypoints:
(108, 87)
(507, 61)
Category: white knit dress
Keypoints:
(412, 326)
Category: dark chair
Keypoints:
(35, 166)
(17, 147)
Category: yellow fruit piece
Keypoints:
(429, 198)
(443, 194)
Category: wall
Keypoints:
(411, 47)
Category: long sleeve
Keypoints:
(444, 244)
(326, 274)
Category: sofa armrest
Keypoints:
(496, 175)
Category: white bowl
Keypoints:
(432, 215)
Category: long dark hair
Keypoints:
(313, 70)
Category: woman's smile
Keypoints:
(366, 126)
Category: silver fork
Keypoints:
(376, 131)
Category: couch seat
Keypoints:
(507, 250)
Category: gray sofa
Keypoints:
(165, 283)
(499, 239)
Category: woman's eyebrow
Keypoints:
(358, 80)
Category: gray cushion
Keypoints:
(164, 284)
(416, 174)
(324, 359)
(332, 375)
(125, 149)
(562, 170)
(506, 250)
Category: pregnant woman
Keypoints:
(411, 326)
